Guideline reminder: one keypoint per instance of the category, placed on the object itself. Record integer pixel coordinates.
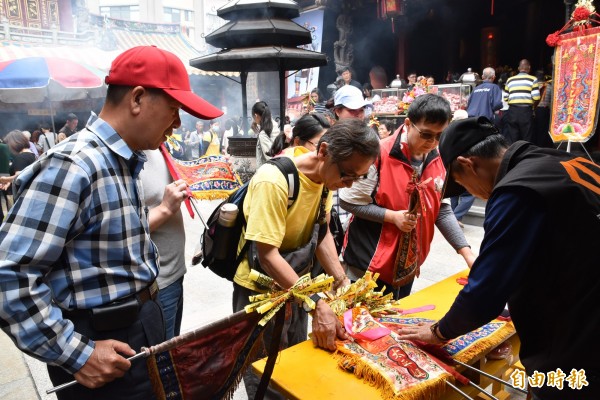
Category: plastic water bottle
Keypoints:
(227, 217)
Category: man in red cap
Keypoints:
(77, 266)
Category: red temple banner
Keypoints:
(208, 177)
(576, 86)
(206, 363)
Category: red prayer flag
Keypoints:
(206, 363)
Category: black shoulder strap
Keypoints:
(272, 355)
(378, 166)
(290, 172)
(47, 142)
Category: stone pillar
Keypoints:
(343, 50)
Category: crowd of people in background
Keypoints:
(20, 148)
(517, 118)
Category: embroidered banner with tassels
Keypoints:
(206, 363)
(576, 81)
(576, 86)
(209, 177)
(399, 368)
(406, 265)
(402, 369)
(466, 347)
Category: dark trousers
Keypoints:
(541, 127)
(517, 124)
(295, 330)
(355, 273)
(399, 292)
(148, 330)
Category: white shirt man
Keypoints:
(194, 140)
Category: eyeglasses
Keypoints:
(344, 177)
(314, 144)
(428, 135)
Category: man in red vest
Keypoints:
(384, 234)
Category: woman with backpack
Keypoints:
(306, 133)
(277, 229)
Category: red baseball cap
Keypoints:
(151, 67)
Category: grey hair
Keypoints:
(488, 73)
(16, 141)
(349, 136)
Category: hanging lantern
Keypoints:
(390, 9)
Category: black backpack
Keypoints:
(213, 237)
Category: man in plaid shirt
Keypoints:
(77, 266)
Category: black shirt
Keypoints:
(68, 132)
(20, 162)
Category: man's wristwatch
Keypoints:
(314, 297)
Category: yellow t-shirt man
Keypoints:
(268, 218)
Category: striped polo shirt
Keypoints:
(522, 90)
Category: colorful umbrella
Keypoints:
(35, 79)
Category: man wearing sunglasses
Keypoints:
(380, 203)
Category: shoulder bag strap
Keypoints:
(46, 139)
(272, 354)
(321, 223)
(321, 218)
(378, 166)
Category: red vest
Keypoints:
(374, 244)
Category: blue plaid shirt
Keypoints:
(76, 238)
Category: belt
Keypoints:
(520, 105)
(148, 293)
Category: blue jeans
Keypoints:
(461, 204)
(171, 299)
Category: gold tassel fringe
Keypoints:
(431, 390)
(485, 345)
(212, 194)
